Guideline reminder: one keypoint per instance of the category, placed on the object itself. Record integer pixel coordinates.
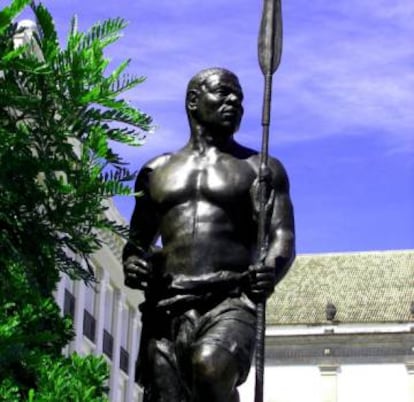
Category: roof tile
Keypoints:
(365, 287)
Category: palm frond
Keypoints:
(49, 42)
(13, 54)
(124, 83)
(9, 13)
(111, 188)
(120, 174)
(105, 32)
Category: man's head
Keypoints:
(214, 99)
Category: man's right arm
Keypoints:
(143, 230)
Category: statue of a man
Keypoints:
(199, 315)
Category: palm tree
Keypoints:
(60, 113)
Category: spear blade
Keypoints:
(270, 37)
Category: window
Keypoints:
(89, 324)
(69, 304)
(108, 343)
(124, 360)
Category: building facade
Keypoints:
(340, 328)
(105, 317)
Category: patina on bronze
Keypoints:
(201, 286)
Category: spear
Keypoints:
(269, 53)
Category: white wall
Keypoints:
(377, 383)
(285, 384)
(354, 383)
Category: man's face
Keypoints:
(219, 102)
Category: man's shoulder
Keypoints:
(277, 171)
(157, 162)
(274, 164)
(142, 180)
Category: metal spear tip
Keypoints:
(270, 37)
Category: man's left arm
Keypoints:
(281, 234)
(281, 251)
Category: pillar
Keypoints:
(76, 344)
(59, 294)
(119, 301)
(133, 345)
(410, 370)
(100, 311)
(329, 383)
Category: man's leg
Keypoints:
(215, 374)
(222, 350)
(165, 384)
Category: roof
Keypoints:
(365, 287)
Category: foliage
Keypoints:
(60, 115)
(56, 123)
(30, 328)
(57, 382)
(72, 378)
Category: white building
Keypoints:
(340, 328)
(105, 316)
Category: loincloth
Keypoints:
(177, 323)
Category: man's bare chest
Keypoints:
(218, 180)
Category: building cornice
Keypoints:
(337, 349)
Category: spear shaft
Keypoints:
(269, 53)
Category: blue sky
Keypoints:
(343, 101)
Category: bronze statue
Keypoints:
(201, 286)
